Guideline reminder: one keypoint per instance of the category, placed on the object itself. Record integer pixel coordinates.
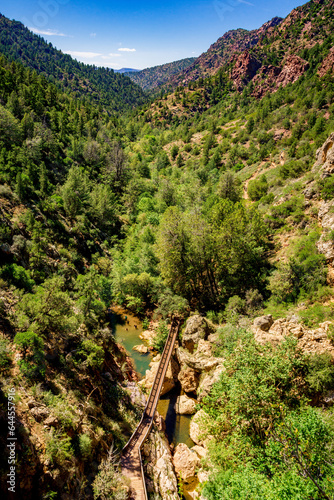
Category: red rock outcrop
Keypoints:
(245, 68)
(327, 64)
(221, 52)
(265, 80)
(294, 67)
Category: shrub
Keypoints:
(17, 276)
(258, 188)
(109, 484)
(302, 275)
(235, 306)
(320, 372)
(327, 188)
(5, 354)
(169, 304)
(145, 323)
(32, 348)
(161, 337)
(85, 445)
(91, 354)
(58, 448)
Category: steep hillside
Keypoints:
(113, 91)
(221, 51)
(151, 78)
(217, 198)
(59, 361)
(267, 52)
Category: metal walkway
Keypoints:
(131, 457)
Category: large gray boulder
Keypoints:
(159, 466)
(186, 462)
(197, 328)
(263, 322)
(189, 379)
(185, 405)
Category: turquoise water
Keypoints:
(127, 329)
(177, 426)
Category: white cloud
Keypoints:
(125, 49)
(113, 55)
(92, 35)
(86, 55)
(48, 32)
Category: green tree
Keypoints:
(32, 349)
(258, 188)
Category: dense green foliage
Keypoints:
(102, 86)
(151, 78)
(149, 210)
(268, 443)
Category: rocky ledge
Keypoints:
(314, 341)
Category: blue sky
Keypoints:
(142, 34)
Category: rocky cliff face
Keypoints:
(159, 469)
(311, 341)
(244, 69)
(327, 65)
(324, 166)
(272, 77)
(220, 52)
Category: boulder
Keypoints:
(207, 380)
(136, 396)
(326, 247)
(170, 378)
(310, 341)
(203, 476)
(198, 427)
(325, 158)
(185, 405)
(51, 421)
(201, 360)
(143, 349)
(186, 462)
(200, 450)
(329, 398)
(189, 379)
(196, 328)
(159, 466)
(263, 322)
(39, 413)
(148, 336)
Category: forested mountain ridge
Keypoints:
(211, 199)
(113, 91)
(151, 78)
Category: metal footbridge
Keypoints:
(131, 460)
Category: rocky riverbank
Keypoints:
(196, 368)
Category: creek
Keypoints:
(126, 329)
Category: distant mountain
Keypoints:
(151, 78)
(287, 50)
(221, 51)
(127, 70)
(114, 91)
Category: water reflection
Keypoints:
(126, 329)
(177, 426)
